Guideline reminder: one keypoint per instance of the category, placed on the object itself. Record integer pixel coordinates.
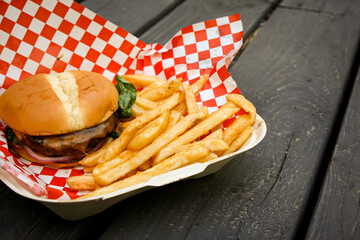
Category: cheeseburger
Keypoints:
(58, 119)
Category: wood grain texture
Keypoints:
(22, 218)
(131, 15)
(193, 11)
(337, 213)
(347, 7)
(18, 214)
(294, 72)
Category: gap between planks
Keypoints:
(255, 30)
(157, 18)
(315, 192)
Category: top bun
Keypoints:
(44, 104)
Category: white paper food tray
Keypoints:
(56, 36)
(78, 209)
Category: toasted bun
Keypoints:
(45, 104)
(22, 152)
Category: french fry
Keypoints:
(218, 134)
(88, 169)
(82, 182)
(149, 151)
(212, 156)
(145, 166)
(150, 132)
(189, 99)
(137, 110)
(239, 141)
(231, 132)
(174, 117)
(181, 107)
(141, 80)
(202, 128)
(131, 173)
(163, 135)
(165, 105)
(111, 150)
(199, 84)
(145, 103)
(212, 144)
(159, 90)
(240, 101)
(119, 144)
(107, 166)
(182, 159)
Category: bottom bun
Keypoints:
(23, 153)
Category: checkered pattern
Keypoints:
(203, 48)
(47, 36)
(50, 36)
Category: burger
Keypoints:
(58, 119)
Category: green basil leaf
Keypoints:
(126, 113)
(10, 136)
(115, 135)
(127, 96)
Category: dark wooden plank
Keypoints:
(18, 214)
(22, 218)
(131, 15)
(190, 12)
(347, 7)
(337, 212)
(294, 72)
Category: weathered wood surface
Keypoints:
(134, 16)
(337, 213)
(251, 12)
(346, 7)
(295, 71)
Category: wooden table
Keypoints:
(300, 67)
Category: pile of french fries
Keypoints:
(167, 131)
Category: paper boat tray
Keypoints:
(78, 209)
(56, 36)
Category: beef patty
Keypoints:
(69, 144)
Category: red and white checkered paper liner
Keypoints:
(55, 36)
